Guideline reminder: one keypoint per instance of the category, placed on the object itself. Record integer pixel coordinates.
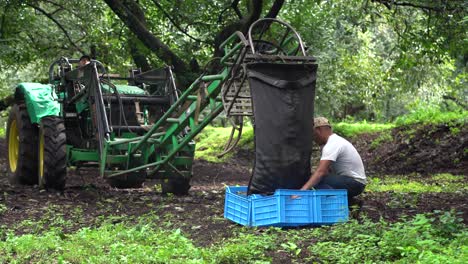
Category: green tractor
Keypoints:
(136, 127)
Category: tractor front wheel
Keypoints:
(52, 153)
(22, 144)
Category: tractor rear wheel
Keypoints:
(22, 145)
(52, 153)
(128, 180)
(177, 186)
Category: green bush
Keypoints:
(431, 238)
(432, 115)
(211, 142)
(124, 243)
(436, 183)
(439, 237)
(352, 129)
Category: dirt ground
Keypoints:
(424, 149)
(87, 201)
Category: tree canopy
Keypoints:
(375, 57)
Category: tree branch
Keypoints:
(138, 57)
(2, 21)
(156, 3)
(58, 24)
(235, 6)
(390, 3)
(241, 24)
(63, 8)
(137, 24)
(56, 11)
(275, 8)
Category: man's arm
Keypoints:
(321, 171)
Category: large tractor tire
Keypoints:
(22, 137)
(52, 153)
(177, 186)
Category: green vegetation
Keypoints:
(384, 136)
(3, 121)
(211, 142)
(439, 237)
(418, 184)
(376, 57)
(431, 238)
(352, 129)
(433, 115)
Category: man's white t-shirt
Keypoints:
(345, 158)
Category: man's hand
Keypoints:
(317, 176)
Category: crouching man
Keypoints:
(340, 165)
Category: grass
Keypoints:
(427, 238)
(143, 242)
(3, 121)
(402, 184)
(353, 129)
(438, 237)
(211, 142)
(432, 115)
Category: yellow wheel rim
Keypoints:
(13, 146)
(41, 156)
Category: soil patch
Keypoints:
(422, 149)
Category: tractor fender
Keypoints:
(40, 100)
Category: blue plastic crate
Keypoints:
(237, 205)
(283, 209)
(331, 207)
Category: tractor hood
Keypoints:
(40, 100)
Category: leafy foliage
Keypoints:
(423, 239)
(439, 237)
(432, 115)
(121, 243)
(211, 142)
(375, 60)
(375, 57)
(436, 183)
(352, 129)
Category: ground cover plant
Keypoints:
(436, 237)
(211, 142)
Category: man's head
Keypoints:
(85, 59)
(322, 130)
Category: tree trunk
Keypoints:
(132, 16)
